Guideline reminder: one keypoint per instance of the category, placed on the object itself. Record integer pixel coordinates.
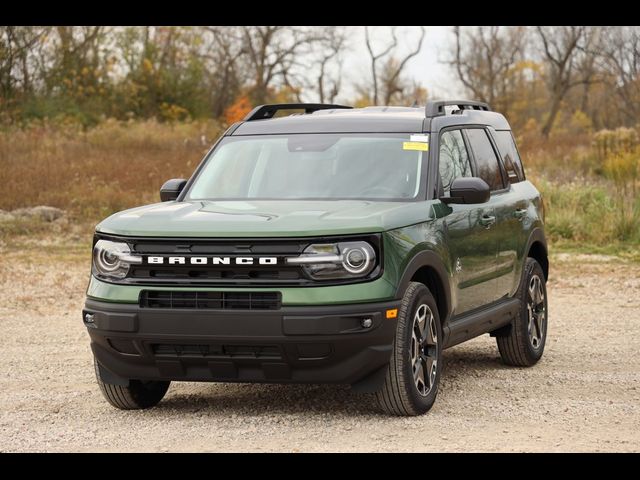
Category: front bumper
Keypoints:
(306, 344)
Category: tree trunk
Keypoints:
(553, 113)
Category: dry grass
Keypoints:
(94, 173)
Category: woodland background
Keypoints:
(94, 119)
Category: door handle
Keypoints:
(520, 213)
(487, 220)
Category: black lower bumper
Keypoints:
(327, 344)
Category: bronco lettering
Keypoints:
(158, 260)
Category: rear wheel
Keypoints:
(413, 374)
(523, 344)
(138, 395)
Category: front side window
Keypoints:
(312, 167)
(485, 157)
(453, 160)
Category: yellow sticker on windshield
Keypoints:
(419, 146)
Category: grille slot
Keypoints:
(216, 351)
(211, 300)
(285, 273)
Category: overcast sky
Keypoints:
(426, 67)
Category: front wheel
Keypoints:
(523, 344)
(413, 374)
(138, 395)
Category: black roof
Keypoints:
(371, 120)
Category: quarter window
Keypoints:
(510, 157)
(485, 157)
(454, 159)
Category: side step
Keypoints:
(471, 325)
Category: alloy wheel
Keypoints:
(424, 349)
(537, 311)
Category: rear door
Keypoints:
(512, 213)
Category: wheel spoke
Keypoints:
(535, 291)
(532, 291)
(415, 348)
(432, 334)
(419, 322)
(419, 377)
(539, 322)
(429, 375)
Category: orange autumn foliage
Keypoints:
(237, 110)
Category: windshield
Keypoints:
(312, 166)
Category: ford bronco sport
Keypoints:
(335, 245)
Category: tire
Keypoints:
(138, 395)
(401, 394)
(522, 345)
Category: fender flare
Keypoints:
(427, 258)
(537, 235)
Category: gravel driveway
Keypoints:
(583, 396)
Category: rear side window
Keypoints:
(510, 157)
(454, 159)
(485, 157)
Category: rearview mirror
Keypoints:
(468, 190)
(171, 189)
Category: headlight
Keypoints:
(324, 261)
(112, 259)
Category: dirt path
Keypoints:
(583, 396)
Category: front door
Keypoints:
(470, 230)
(474, 249)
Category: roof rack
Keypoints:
(436, 108)
(262, 112)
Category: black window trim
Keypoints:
(506, 185)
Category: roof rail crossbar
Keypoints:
(262, 112)
(436, 108)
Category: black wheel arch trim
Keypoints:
(428, 258)
(537, 235)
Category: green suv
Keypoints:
(333, 245)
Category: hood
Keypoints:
(264, 218)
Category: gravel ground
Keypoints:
(583, 396)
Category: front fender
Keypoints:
(411, 248)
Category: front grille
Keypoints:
(189, 274)
(216, 351)
(211, 300)
(280, 274)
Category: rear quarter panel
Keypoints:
(525, 194)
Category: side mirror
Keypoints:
(171, 189)
(468, 190)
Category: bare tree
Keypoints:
(390, 84)
(224, 69)
(564, 49)
(273, 52)
(17, 63)
(394, 68)
(377, 56)
(621, 58)
(484, 59)
(329, 83)
(78, 46)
